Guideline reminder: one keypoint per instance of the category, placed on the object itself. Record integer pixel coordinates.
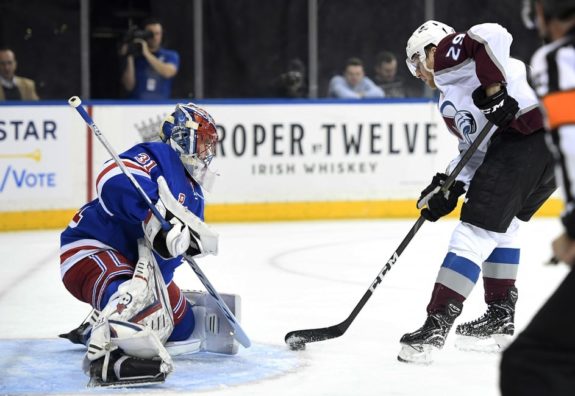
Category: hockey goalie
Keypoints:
(116, 256)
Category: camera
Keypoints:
(134, 33)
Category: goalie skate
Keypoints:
(81, 334)
(118, 371)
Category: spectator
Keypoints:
(353, 84)
(13, 87)
(149, 68)
(292, 83)
(386, 75)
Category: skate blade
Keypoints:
(492, 344)
(416, 354)
(133, 383)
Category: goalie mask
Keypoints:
(431, 32)
(192, 133)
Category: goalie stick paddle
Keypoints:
(239, 333)
(297, 339)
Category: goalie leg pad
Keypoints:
(144, 299)
(136, 340)
(212, 328)
(138, 319)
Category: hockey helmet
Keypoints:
(431, 32)
(192, 133)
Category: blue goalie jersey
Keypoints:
(114, 219)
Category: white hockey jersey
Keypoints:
(553, 76)
(480, 57)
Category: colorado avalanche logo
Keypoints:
(460, 122)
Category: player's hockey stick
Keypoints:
(239, 333)
(297, 339)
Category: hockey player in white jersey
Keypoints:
(116, 257)
(541, 359)
(507, 179)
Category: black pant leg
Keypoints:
(541, 360)
(515, 179)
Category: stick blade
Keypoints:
(297, 339)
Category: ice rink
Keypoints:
(290, 276)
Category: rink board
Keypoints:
(54, 366)
(276, 161)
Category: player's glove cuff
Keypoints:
(499, 108)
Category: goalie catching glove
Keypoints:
(439, 204)
(172, 243)
(188, 234)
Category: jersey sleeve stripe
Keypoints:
(113, 170)
(133, 167)
(488, 68)
(559, 108)
(73, 252)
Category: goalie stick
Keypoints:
(297, 339)
(239, 333)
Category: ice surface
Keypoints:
(290, 276)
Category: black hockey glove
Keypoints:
(431, 190)
(499, 108)
(440, 204)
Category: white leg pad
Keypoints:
(143, 343)
(212, 328)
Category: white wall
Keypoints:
(304, 152)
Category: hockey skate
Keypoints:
(119, 370)
(418, 346)
(212, 332)
(81, 334)
(492, 331)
